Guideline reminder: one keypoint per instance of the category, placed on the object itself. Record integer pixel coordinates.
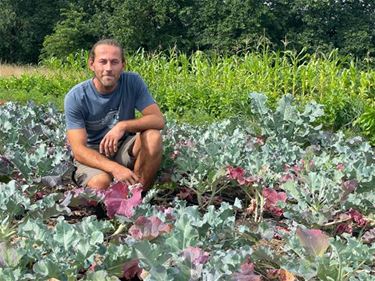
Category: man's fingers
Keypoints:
(115, 145)
(132, 179)
(135, 177)
(108, 146)
(126, 176)
(101, 146)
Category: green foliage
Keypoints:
(13, 203)
(214, 231)
(74, 33)
(234, 26)
(200, 88)
(284, 137)
(150, 25)
(346, 259)
(27, 144)
(367, 122)
(326, 178)
(41, 88)
(319, 25)
(218, 86)
(70, 250)
(23, 26)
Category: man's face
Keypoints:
(107, 66)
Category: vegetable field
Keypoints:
(274, 197)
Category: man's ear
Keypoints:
(90, 62)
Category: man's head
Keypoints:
(107, 61)
(110, 42)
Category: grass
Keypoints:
(12, 70)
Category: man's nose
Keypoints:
(108, 66)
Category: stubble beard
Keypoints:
(107, 84)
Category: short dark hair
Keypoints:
(111, 42)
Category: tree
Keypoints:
(348, 25)
(151, 25)
(7, 30)
(24, 24)
(227, 25)
(75, 32)
(61, 27)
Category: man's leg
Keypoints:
(86, 176)
(100, 182)
(98, 179)
(148, 151)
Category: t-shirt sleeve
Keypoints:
(73, 114)
(143, 97)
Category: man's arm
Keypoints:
(152, 118)
(77, 139)
(90, 157)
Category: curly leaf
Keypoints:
(272, 198)
(119, 200)
(131, 269)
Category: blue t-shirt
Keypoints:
(86, 108)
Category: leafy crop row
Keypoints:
(274, 198)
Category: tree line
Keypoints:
(33, 30)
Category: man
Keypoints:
(107, 142)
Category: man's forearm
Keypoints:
(93, 158)
(141, 124)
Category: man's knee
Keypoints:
(152, 141)
(100, 182)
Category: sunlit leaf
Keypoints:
(195, 255)
(246, 273)
(149, 228)
(314, 241)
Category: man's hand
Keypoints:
(121, 173)
(108, 145)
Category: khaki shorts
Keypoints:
(123, 156)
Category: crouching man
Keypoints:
(107, 142)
